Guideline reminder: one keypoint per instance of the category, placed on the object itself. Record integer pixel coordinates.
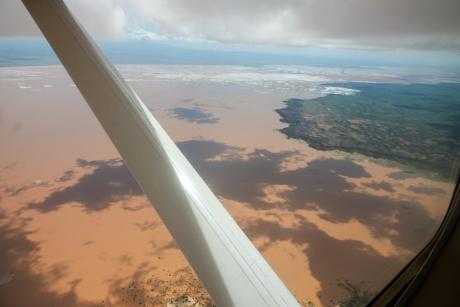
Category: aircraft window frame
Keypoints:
(403, 287)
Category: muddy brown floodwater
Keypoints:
(76, 230)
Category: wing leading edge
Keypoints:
(230, 267)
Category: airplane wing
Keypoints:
(230, 267)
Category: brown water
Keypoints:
(75, 229)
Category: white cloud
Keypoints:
(102, 18)
(422, 24)
(375, 23)
(14, 20)
(339, 91)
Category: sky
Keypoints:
(413, 24)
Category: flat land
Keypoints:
(416, 125)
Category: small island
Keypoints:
(415, 125)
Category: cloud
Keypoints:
(421, 24)
(105, 20)
(390, 23)
(15, 21)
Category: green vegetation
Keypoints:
(417, 125)
(356, 296)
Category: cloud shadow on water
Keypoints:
(193, 115)
(329, 259)
(109, 181)
(321, 185)
(26, 288)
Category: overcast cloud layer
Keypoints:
(420, 24)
